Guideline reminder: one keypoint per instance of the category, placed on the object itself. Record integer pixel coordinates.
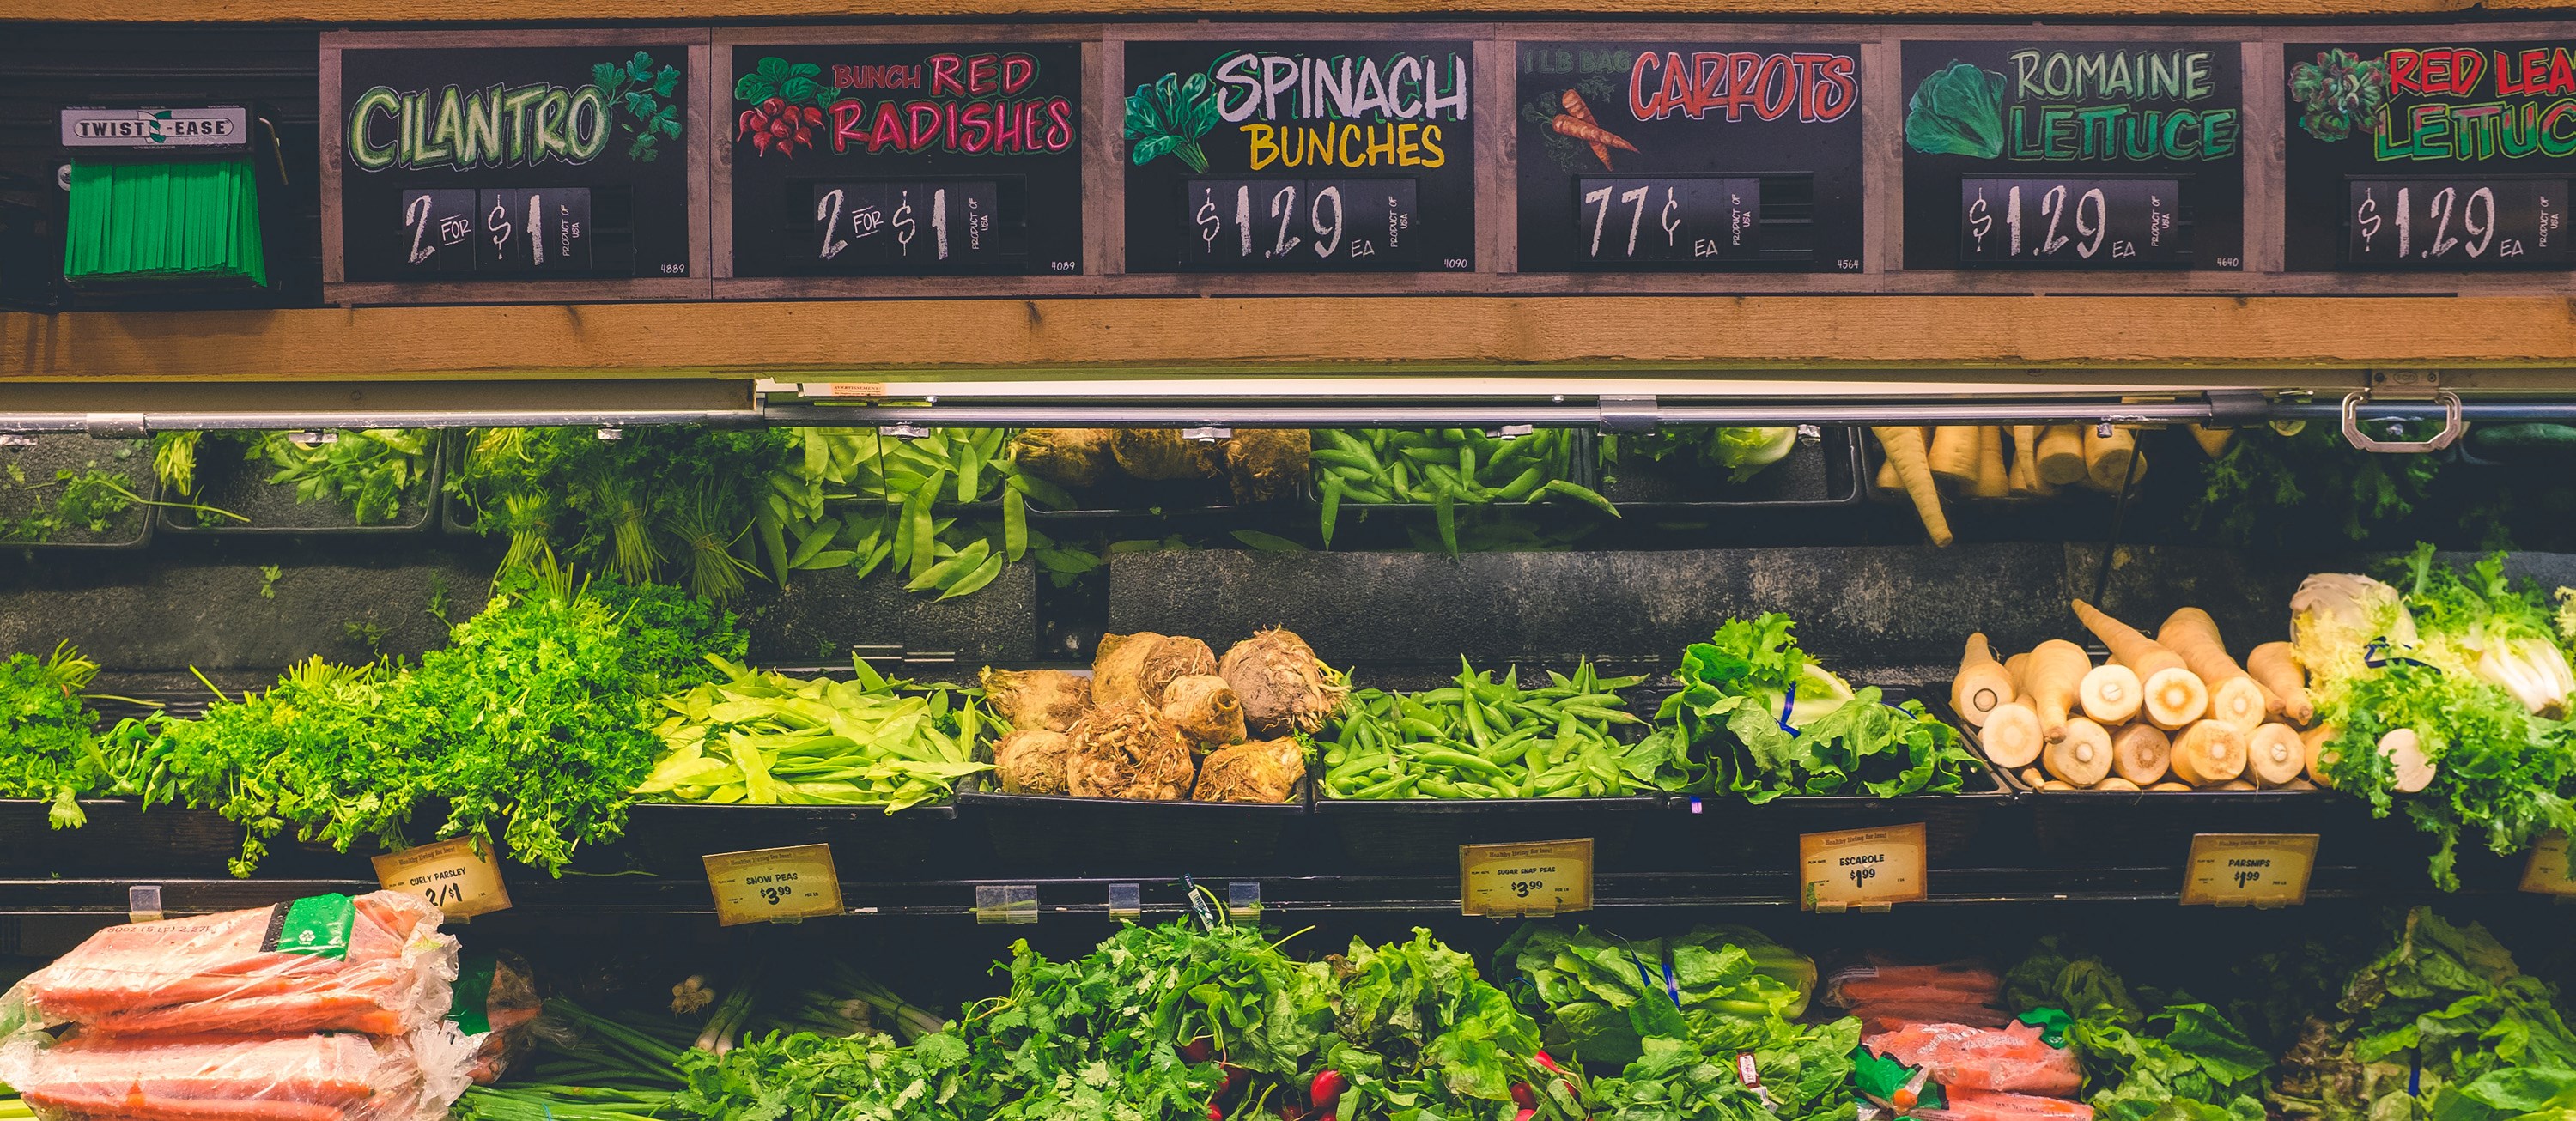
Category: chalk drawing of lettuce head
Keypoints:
(1958, 111)
(2338, 93)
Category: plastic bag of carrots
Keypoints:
(375, 963)
(87, 1077)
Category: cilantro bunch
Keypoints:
(48, 742)
(1773, 722)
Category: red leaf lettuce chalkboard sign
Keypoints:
(907, 160)
(1300, 157)
(1690, 156)
(2074, 155)
(2420, 155)
(515, 163)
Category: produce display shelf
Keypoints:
(1161, 893)
(242, 486)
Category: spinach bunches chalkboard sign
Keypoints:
(2410, 155)
(907, 160)
(514, 163)
(1639, 156)
(2102, 156)
(1300, 157)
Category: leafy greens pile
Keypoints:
(52, 751)
(530, 728)
(1773, 722)
(2440, 1027)
(2183, 1061)
(1674, 1015)
(766, 738)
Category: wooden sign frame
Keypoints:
(337, 288)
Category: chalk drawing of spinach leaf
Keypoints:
(1168, 116)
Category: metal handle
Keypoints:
(2451, 426)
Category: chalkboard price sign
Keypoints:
(905, 227)
(2070, 223)
(1690, 156)
(1663, 221)
(1301, 223)
(514, 163)
(2434, 223)
(1300, 157)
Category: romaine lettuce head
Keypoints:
(1958, 111)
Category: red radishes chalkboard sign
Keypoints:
(906, 160)
(1699, 156)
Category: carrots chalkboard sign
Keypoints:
(906, 159)
(514, 163)
(1300, 157)
(2074, 155)
(1689, 156)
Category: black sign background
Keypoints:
(639, 208)
(1038, 220)
(2318, 184)
(2213, 190)
(1159, 203)
(1556, 225)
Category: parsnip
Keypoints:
(2011, 735)
(2276, 666)
(2106, 458)
(1903, 444)
(1954, 455)
(2115, 782)
(2033, 777)
(1990, 481)
(2128, 647)
(2110, 693)
(2234, 696)
(2169, 784)
(2211, 440)
(2051, 679)
(2141, 754)
(2320, 756)
(2054, 784)
(2175, 698)
(2082, 757)
(1981, 685)
(2274, 754)
(2405, 752)
(2235, 784)
(2061, 454)
(1885, 480)
(2023, 474)
(2209, 752)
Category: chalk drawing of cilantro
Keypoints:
(1169, 116)
(2338, 93)
(644, 92)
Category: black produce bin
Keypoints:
(674, 838)
(2153, 828)
(125, 840)
(1723, 832)
(32, 470)
(241, 485)
(1423, 834)
(1825, 472)
(1056, 835)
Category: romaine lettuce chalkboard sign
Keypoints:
(514, 163)
(1300, 157)
(1689, 156)
(2071, 155)
(2419, 155)
(907, 160)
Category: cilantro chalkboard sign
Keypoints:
(1300, 157)
(906, 160)
(2072, 155)
(1689, 156)
(2452, 157)
(514, 163)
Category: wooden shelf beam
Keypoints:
(375, 12)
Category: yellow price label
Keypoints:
(1539, 878)
(774, 885)
(2249, 869)
(1862, 868)
(2550, 871)
(457, 874)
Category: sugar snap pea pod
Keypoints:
(1448, 757)
(1335, 457)
(1385, 789)
(1440, 787)
(1521, 486)
(1332, 506)
(1584, 495)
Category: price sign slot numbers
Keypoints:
(1540, 878)
(1311, 225)
(458, 874)
(535, 230)
(1662, 221)
(2457, 224)
(438, 231)
(774, 885)
(1862, 869)
(2551, 869)
(2072, 223)
(2262, 870)
(903, 227)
